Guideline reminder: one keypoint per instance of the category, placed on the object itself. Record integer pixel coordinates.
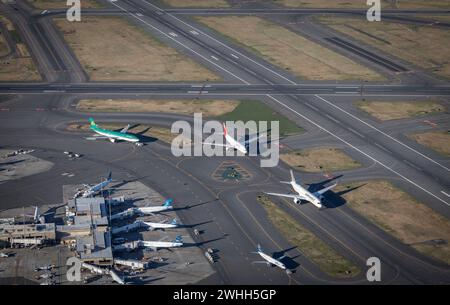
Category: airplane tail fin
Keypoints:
(178, 239)
(36, 213)
(224, 129)
(109, 176)
(258, 248)
(292, 176)
(91, 120)
(168, 202)
(174, 221)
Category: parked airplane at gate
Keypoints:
(269, 260)
(92, 190)
(112, 135)
(158, 225)
(167, 205)
(303, 194)
(155, 245)
(241, 144)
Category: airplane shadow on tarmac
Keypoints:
(332, 199)
(288, 261)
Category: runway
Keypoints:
(37, 113)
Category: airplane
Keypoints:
(241, 144)
(157, 225)
(167, 205)
(155, 245)
(269, 260)
(4, 255)
(303, 194)
(44, 268)
(112, 135)
(92, 190)
(38, 218)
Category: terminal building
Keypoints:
(28, 234)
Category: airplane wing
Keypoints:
(253, 139)
(96, 137)
(326, 189)
(125, 129)
(288, 196)
(261, 262)
(217, 144)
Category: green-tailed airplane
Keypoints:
(112, 135)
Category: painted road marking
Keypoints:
(234, 56)
(226, 46)
(173, 34)
(185, 46)
(194, 32)
(383, 133)
(213, 57)
(358, 150)
(445, 193)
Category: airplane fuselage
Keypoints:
(156, 225)
(306, 194)
(95, 189)
(272, 260)
(115, 135)
(161, 244)
(235, 144)
(156, 209)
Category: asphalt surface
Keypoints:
(34, 115)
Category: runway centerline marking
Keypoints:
(180, 43)
(382, 132)
(221, 43)
(359, 150)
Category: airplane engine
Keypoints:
(296, 201)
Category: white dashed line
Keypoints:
(383, 133)
(359, 150)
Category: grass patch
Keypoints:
(402, 216)
(127, 52)
(257, 111)
(362, 4)
(209, 108)
(197, 3)
(399, 110)
(316, 160)
(160, 133)
(314, 248)
(436, 140)
(46, 4)
(424, 46)
(292, 52)
(16, 67)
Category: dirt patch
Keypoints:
(399, 214)
(209, 108)
(436, 140)
(160, 133)
(289, 50)
(424, 46)
(399, 110)
(316, 160)
(314, 248)
(127, 52)
(197, 3)
(46, 4)
(362, 4)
